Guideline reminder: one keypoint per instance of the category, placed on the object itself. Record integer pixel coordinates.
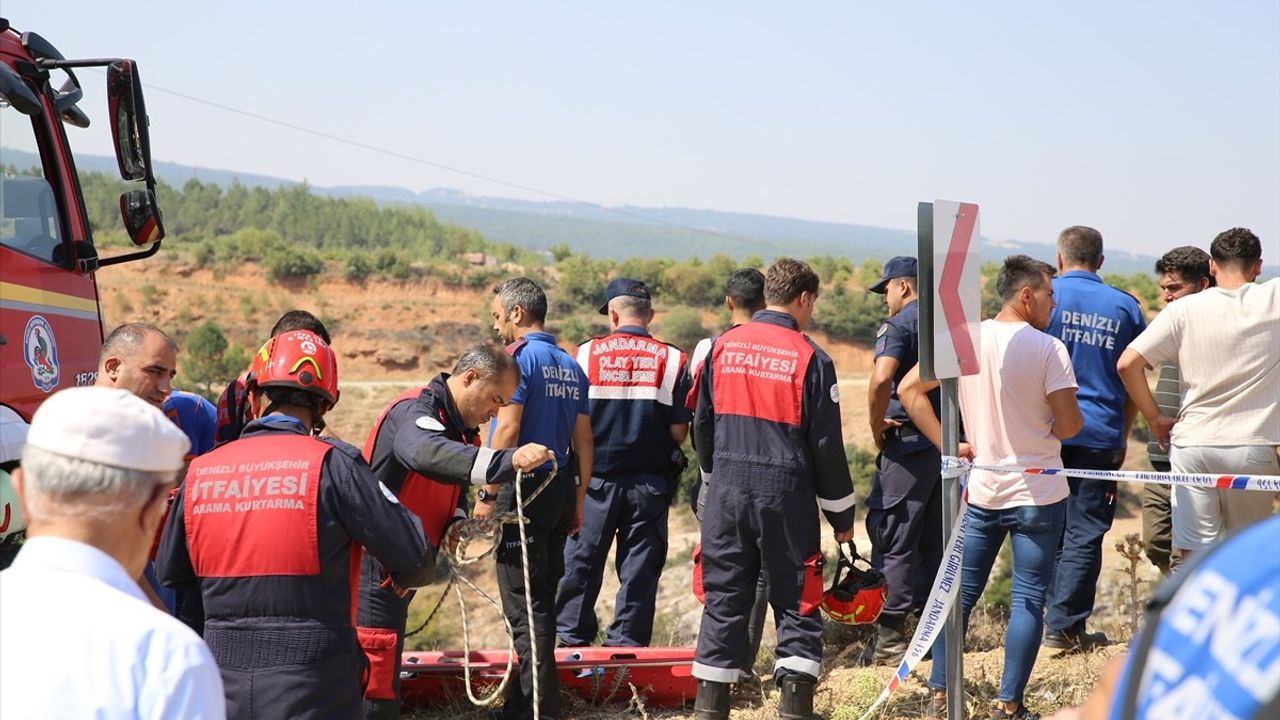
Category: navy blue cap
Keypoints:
(623, 287)
(897, 267)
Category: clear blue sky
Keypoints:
(1158, 123)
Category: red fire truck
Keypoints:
(50, 316)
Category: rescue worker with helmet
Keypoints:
(638, 420)
(767, 426)
(268, 528)
(904, 509)
(425, 448)
(234, 409)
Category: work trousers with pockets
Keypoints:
(1091, 508)
(904, 522)
(549, 517)
(632, 508)
(755, 622)
(380, 607)
(747, 527)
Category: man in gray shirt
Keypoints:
(1182, 271)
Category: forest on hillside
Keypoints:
(298, 235)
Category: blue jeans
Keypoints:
(1035, 531)
(1090, 510)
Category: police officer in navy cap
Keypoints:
(638, 419)
(904, 510)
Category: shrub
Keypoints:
(851, 315)
(358, 267)
(292, 262)
(682, 327)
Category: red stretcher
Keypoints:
(662, 675)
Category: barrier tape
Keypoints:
(1266, 483)
(946, 585)
(943, 594)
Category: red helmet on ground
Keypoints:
(856, 596)
(297, 359)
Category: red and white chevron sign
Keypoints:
(957, 288)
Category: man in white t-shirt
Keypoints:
(1016, 410)
(1225, 342)
(77, 636)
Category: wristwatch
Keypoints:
(485, 496)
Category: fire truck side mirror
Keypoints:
(15, 92)
(141, 216)
(128, 117)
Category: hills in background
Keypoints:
(621, 232)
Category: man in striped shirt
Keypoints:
(1182, 271)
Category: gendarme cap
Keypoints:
(620, 287)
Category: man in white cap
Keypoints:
(77, 636)
(13, 524)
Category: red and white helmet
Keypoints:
(856, 596)
(297, 359)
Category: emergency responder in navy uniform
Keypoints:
(549, 407)
(743, 298)
(768, 427)
(425, 448)
(904, 509)
(268, 529)
(638, 388)
(234, 409)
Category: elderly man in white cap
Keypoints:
(77, 636)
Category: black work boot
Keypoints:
(890, 644)
(797, 698)
(712, 702)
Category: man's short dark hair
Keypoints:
(523, 292)
(1081, 245)
(1237, 247)
(786, 279)
(489, 360)
(1188, 261)
(1021, 271)
(125, 340)
(745, 288)
(301, 320)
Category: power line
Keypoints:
(429, 163)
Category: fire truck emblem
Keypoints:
(40, 351)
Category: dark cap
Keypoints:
(623, 287)
(897, 267)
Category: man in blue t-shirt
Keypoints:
(1096, 322)
(904, 509)
(549, 407)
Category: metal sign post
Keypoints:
(949, 311)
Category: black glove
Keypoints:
(675, 472)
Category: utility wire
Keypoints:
(439, 166)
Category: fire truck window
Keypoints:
(28, 207)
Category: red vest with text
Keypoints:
(433, 502)
(250, 507)
(758, 371)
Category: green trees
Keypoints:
(850, 314)
(210, 360)
(682, 327)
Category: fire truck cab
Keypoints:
(50, 314)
